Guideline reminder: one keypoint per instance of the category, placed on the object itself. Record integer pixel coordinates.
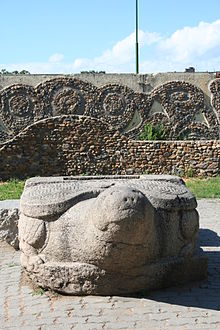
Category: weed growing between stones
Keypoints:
(153, 133)
(13, 265)
(38, 292)
(189, 172)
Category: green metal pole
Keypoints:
(137, 50)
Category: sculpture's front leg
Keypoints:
(32, 236)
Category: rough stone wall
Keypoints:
(66, 126)
(180, 106)
(74, 145)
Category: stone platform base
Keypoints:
(87, 279)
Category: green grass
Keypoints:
(201, 188)
(13, 265)
(11, 189)
(38, 291)
(204, 188)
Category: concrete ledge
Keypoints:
(10, 204)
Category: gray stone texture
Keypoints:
(109, 235)
(9, 214)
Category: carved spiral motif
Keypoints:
(176, 94)
(69, 102)
(114, 104)
(180, 97)
(67, 96)
(185, 113)
(19, 107)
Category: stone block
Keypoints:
(109, 235)
(9, 214)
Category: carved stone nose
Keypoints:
(132, 199)
(124, 196)
(119, 204)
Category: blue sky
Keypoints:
(69, 36)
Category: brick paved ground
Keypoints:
(196, 306)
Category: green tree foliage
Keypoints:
(4, 72)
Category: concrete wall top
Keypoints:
(139, 83)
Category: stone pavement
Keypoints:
(195, 306)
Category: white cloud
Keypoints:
(121, 57)
(197, 46)
(56, 58)
(192, 43)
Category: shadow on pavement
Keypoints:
(208, 237)
(205, 294)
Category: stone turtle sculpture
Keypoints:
(109, 235)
